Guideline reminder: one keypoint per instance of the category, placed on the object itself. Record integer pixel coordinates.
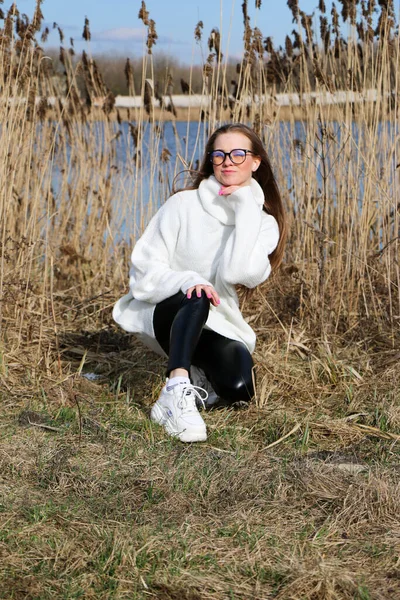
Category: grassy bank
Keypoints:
(297, 497)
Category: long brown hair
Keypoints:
(273, 204)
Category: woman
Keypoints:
(228, 229)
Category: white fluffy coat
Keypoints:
(199, 237)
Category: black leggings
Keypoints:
(179, 329)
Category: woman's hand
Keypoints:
(209, 290)
(230, 189)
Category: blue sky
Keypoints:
(115, 26)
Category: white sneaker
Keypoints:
(176, 410)
(199, 379)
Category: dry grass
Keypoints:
(98, 502)
(297, 497)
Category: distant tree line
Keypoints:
(170, 75)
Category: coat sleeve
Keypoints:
(151, 278)
(255, 235)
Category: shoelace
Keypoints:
(203, 383)
(192, 390)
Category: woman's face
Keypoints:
(229, 173)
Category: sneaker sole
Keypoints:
(157, 415)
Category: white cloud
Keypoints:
(130, 34)
(119, 34)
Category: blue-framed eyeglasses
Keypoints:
(236, 156)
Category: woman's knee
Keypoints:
(240, 389)
(198, 304)
(196, 300)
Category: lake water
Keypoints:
(140, 185)
(182, 145)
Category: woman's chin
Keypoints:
(227, 179)
(228, 182)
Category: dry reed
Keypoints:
(67, 197)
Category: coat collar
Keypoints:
(221, 207)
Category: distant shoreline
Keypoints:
(197, 107)
(280, 107)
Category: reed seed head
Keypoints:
(21, 24)
(109, 103)
(45, 34)
(387, 5)
(297, 41)
(306, 22)
(325, 32)
(30, 109)
(148, 96)
(335, 20)
(214, 43)
(257, 124)
(288, 46)
(198, 31)
(371, 7)
(9, 22)
(37, 16)
(247, 38)
(361, 31)
(144, 14)
(165, 155)
(151, 36)
(134, 132)
(99, 85)
(246, 18)
(258, 42)
(349, 11)
(269, 45)
(86, 30)
(207, 67)
(185, 87)
(129, 77)
(294, 7)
